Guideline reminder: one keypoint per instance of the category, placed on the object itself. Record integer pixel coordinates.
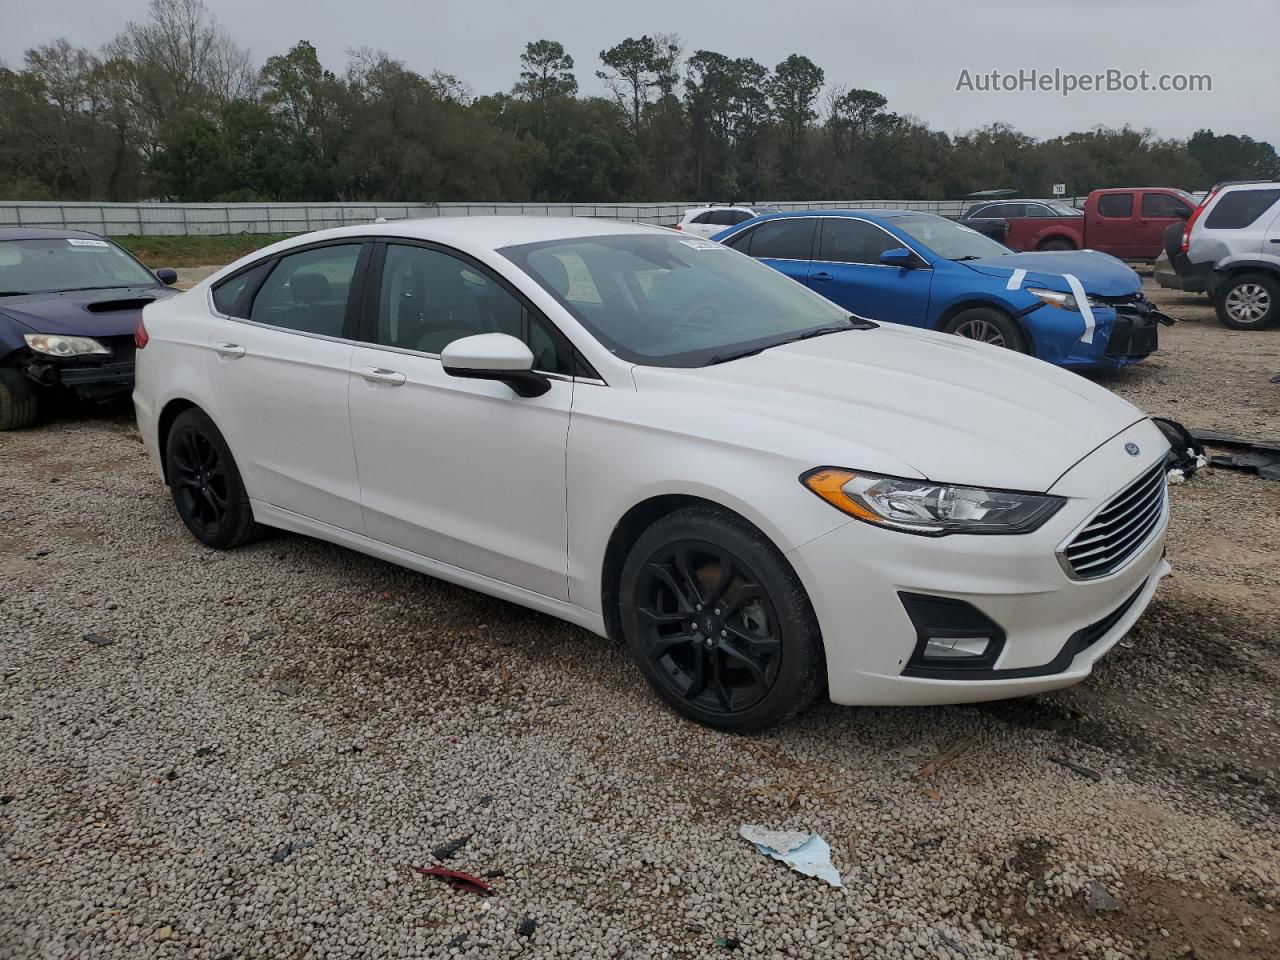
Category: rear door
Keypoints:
(785, 243)
(1110, 222)
(279, 366)
(847, 270)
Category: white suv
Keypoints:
(1231, 250)
(708, 221)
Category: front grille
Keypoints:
(1134, 334)
(1120, 529)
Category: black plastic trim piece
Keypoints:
(938, 618)
(525, 383)
(1076, 644)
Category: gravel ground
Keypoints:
(274, 737)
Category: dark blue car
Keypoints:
(69, 303)
(1079, 308)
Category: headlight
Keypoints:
(933, 509)
(1063, 301)
(58, 346)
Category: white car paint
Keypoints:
(708, 221)
(517, 497)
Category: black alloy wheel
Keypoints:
(205, 483)
(708, 628)
(718, 623)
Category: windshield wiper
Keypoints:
(967, 256)
(115, 286)
(14, 293)
(853, 323)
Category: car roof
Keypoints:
(42, 233)
(485, 232)
(869, 214)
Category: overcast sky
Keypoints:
(912, 51)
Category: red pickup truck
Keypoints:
(1125, 222)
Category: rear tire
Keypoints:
(718, 622)
(18, 404)
(988, 325)
(205, 483)
(1249, 301)
(1056, 243)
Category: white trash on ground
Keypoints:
(805, 853)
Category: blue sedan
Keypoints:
(1078, 308)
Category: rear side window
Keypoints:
(1116, 205)
(788, 238)
(231, 296)
(308, 291)
(739, 216)
(853, 241)
(1162, 205)
(702, 218)
(1241, 208)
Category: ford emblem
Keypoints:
(1132, 449)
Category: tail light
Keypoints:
(1191, 220)
(680, 226)
(140, 336)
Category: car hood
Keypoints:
(1100, 273)
(85, 313)
(905, 402)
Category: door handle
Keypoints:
(391, 378)
(232, 351)
(821, 277)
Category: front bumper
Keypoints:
(1125, 332)
(97, 377)
(1054, 628)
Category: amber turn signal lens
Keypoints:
(828, 483)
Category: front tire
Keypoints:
(18, 405)
(718, 622)
(205, 483)
(1249, 301)
(988, 325)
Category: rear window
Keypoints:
(1240, 208)
(1116, 205)
(231, 296)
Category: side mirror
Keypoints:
(495, 356)
(1182, 213)
(899, 257)
(167, 275)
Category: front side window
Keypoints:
(1116, 205)
(1240, 208)
(665, 300)
(308, 291)
(67, 263)
(948, 239)
(1161, 205)
(787, 238)
(853, 241)
(430, 298)
(1008, 211)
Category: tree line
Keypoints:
(173, 108)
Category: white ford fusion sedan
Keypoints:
(661, 440)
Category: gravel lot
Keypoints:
(275, 737)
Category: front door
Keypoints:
(848, 271)
(1155, 213)
(279, 374)
(460, 471)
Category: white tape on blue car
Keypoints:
(1015, 280)
(1082, 304)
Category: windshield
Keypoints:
(67, 263)
(670, 301)
(948, 239)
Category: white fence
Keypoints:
(186, 219)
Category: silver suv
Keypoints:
(1231, 250)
